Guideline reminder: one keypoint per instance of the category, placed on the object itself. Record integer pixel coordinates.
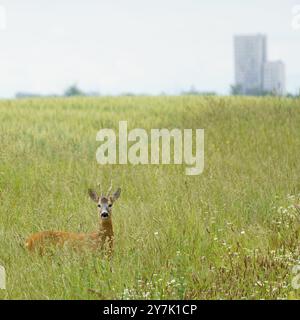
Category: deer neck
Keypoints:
(106, 228)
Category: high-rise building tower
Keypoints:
(250, 56)
(274, 77)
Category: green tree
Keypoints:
(73, 90)
(236, 90)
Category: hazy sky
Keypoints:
(137, 45)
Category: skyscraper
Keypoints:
(274, 77)
(250, 56)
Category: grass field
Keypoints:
(230, 233)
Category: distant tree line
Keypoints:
(194, 92)
(75, 91)
(236, 90)
(71, 91)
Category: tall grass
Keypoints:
(231, 232)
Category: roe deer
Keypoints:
(103, 238)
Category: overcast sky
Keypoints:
(140, 46)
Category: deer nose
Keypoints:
(104, 214)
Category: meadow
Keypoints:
(230, 233)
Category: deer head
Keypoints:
(105, 202)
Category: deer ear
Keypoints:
(93, 195)
(116, 195)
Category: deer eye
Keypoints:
(99, 206)
(110, 205)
